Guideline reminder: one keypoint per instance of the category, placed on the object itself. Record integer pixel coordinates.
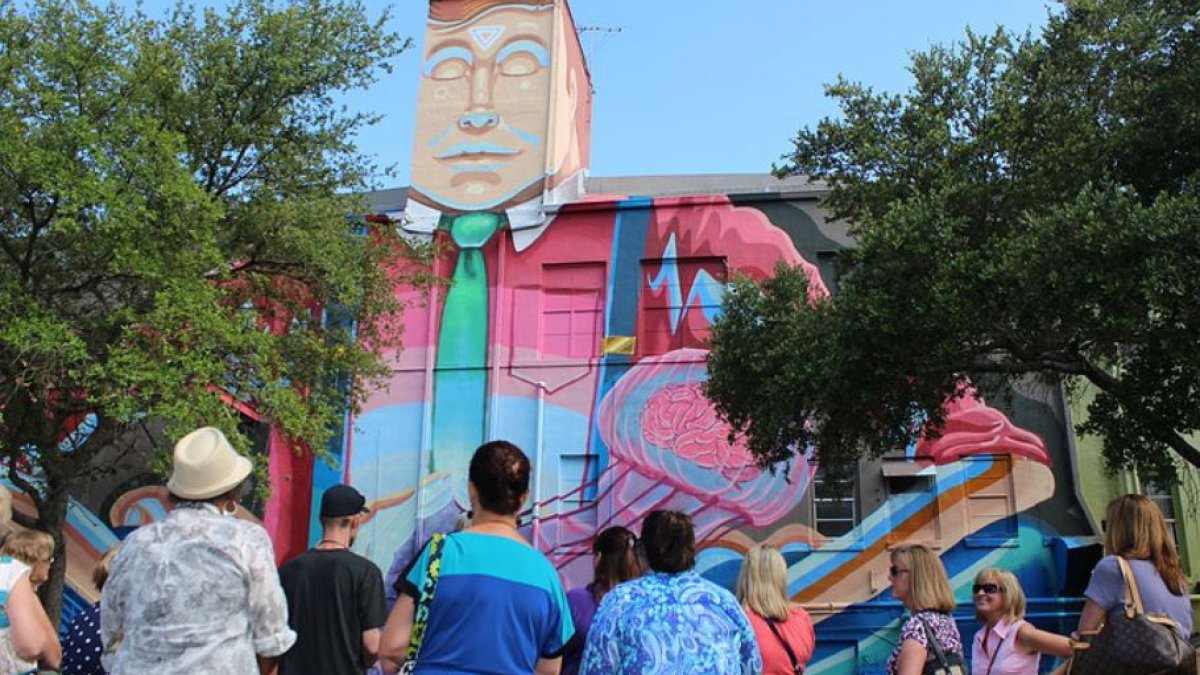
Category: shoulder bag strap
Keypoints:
(933, 642)
(996, 651)
(796, 667)
(1133, 598)
(421, 615)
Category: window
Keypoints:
(913, 511)
(680, 299)
(572, 310)
(578, 478)
(992, 507)
(1161, 495)
(835, 510)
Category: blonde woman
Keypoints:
(784, 631)
(919, 581)
(1135, 530)
(34, 548)
(27, 638)
(1007, 644)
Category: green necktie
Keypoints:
(460, 375)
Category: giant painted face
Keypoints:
(485, 109)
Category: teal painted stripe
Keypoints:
(898, 508)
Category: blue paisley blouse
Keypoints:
(670, 623)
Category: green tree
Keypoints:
(174, 195)
(1029, 208)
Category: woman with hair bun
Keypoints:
(672, 620)
(616, 561)
(497, 605)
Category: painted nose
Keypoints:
(478, 121)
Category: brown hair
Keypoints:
(928, 587)
(762, 583)
(500, 473)
(616, 560)
(103, 567)
(1010, 587)
(458, 11)
(28, 546)
(1135, 528)
(669, 541)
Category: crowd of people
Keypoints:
(198, 592)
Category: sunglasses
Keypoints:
(990, 589)
(896, 571)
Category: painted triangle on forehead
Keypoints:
(486, 36)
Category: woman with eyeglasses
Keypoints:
(1007, 644)
(919, 581)
(616, 561)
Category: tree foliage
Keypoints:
(1028, 208)
(174, 195)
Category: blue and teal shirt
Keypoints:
(670, 623)
(498, 607)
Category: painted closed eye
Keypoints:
(449, 63)
(522, 58)
(519, 65)
(450, 69)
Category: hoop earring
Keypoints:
(230, 508)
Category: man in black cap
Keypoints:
(335, 597)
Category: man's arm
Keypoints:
(266, 603)
(268, 665)
(393, 643)
(548, 666)
(370, 645)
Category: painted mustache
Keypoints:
(471, 149)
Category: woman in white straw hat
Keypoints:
(197, 592)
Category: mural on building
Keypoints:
(574, 326)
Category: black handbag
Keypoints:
(939, 661)
(1130, 641)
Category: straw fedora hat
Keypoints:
(206, 465)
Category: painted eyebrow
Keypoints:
(535, 48)
(445, 54)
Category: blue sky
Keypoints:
(713, 86)
(708, 86)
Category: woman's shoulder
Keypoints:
(797, 614)
(496, 553)
(935, 620)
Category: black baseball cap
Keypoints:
(340, 501)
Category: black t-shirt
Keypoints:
(332, 596)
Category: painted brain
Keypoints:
(680, 419)
(661, 430)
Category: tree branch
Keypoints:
(1162, 431)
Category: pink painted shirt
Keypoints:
(1001, 644)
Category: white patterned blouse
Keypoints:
(196, 593)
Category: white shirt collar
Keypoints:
(527, 220)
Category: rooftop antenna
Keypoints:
(593, 39)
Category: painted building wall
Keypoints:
(1179, 503)
(575, 326)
